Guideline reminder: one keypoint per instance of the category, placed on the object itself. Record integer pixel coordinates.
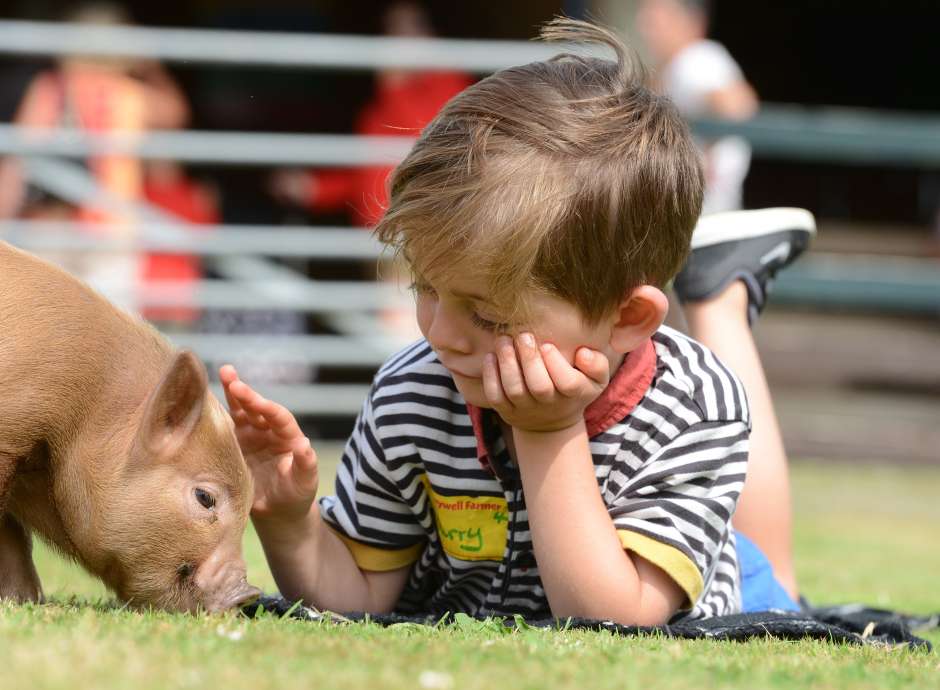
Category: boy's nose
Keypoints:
(445, 334)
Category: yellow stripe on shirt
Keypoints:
(671, 560)
(373, 558)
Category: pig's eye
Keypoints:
(206, 500)
(185, 571)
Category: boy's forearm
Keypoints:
(309, 562)
(583, 566)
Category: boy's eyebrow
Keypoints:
(473, 296)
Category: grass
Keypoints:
(863, 534)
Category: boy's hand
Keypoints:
(280, 457)
(534, 388)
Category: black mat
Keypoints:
(850, 624)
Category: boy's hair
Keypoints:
(567, 176)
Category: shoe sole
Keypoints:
(729, 226)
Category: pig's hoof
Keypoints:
(21, 592)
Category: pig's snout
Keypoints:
(234, 593)
(242, 595)
(222, 586)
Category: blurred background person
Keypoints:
(403, 102)
(703, 80)
(103, 95)
(168, 187)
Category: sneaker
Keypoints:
(750, 246)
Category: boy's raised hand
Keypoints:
(534, 388)
(281, 459)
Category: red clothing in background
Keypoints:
(401, 106)
(188, 200)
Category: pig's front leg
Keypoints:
(18, 578)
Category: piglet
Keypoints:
(113, 450)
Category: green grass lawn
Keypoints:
(863, 534)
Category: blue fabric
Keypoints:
(760, 590)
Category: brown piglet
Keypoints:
(113, 450)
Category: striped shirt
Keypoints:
(427, 481)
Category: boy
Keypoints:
(548, 448)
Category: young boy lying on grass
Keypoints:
(549, 447)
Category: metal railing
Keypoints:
(242, 255)
(777, 131)
(299, 241)
(219, 148)
(275, 49)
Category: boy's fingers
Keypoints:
(492, 388)
(537, 380)
(304, 466)
(240, 417)
(282, 422)
(250, 402)
(260, 412)
(228, 375)
(594, 365)
(252, 440)
(510, 375)
(566, 378)
(278, 419)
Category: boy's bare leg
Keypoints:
(764, 512)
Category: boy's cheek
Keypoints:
(567, 343)
(568, 354)
(567, 351)
(423, 315)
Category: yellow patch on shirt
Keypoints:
(668, 558)
(471, 528)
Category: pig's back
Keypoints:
(62, 345)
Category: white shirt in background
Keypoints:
(698, 70)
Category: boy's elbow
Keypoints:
(655, 600)
(651, 615)
(384, 589)
(634, 610)
(379, 603)
(643, 615)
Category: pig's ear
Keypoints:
(174, 407)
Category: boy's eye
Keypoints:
(488, 325)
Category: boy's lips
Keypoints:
(453, 370)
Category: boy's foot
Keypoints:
(750, 246)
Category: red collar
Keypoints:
(619, 399)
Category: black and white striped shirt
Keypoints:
(669, 449)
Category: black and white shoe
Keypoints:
(750, 246)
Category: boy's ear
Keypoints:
(637, 318)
